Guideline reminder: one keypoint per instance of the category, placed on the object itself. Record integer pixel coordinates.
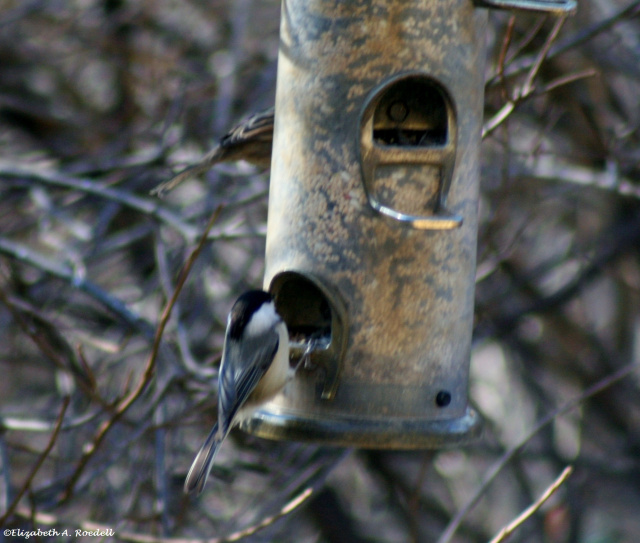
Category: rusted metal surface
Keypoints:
(397, 294)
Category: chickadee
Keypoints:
(254, 368)
(251, 140)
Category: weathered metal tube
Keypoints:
(372, 225)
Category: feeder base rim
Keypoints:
(366, 433)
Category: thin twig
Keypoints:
(506, 42)
(288, 508)
(508, 455)
(498, 118)
(585, 34)
(33, 258)
(542, 54)
(38, 464)
(566, 79)
(148, 206)
(527, 88)
(529, 511)
(509, 107)
(531, 32)
(184, 273)
(38, 425)
(147, 374)
(41, 336)
(554, 168)
(51, 520)
(105, 165)
(185, 358)
(570, 42)
(619, 240)
(308, 468)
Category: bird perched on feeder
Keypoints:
(254, 368)
(251, 140)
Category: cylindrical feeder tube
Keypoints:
(372, 226)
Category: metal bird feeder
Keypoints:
(372, 227)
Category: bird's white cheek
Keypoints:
(262, 320)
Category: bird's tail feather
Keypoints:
(206, 163)
(199, 472)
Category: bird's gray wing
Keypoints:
(243, 365)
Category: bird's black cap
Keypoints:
(243, 310)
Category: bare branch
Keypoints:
(497, 467)
(529, 511)
(292, 505)
(31, 257)
(36, 467)
(510, 106)
(542, 55)
(125, 404)
(580, 37)
(148, 206)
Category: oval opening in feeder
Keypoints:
(317, 322)
(408, 139)
(412, 113)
